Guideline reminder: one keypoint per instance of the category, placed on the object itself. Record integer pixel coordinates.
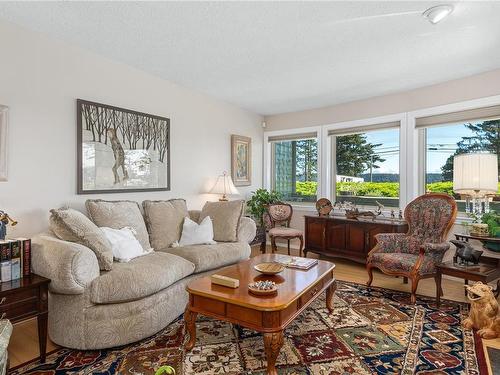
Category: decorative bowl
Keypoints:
(261, 289)
(269, 268)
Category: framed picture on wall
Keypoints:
(241, 160)
(120, 150)
(4, 118)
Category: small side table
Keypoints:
(24, 299)
(486, 271)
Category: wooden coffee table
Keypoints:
(297, 289)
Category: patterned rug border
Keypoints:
(478, 344)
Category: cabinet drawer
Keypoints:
(19, 310)
(25, 294)
(311, 293)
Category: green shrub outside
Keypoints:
(372, 189)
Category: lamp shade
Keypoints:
(224, 185)
(475, 174)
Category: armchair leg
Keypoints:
(414, 286)
(370, 274)
(273, 245)
(288, 246)
(301, 238)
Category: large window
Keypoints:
(443, 142)
(367, 167)
(295, 169)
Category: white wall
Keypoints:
(40, 80)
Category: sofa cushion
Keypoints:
(225, 218)
(117, 215)
(73, 226)
(139, 278)
(208, 257)
(164, 221)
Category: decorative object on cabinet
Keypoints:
(224, 186)
(280, 215)
(484, 313)
(465, 253)
(324, 207)
(340, 237)
(479, 230)
(352, 212)
(241, 160)
(120, 150)
(4, 119)
(415, 254)
(5, 220)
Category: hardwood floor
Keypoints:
(23, 345)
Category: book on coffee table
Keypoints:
(296, 262)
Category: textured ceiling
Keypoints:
(273, 57)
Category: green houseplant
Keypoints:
(256, 205)
(492, 219)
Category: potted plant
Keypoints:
(492, 219)
(256, 205)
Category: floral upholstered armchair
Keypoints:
(415, 254)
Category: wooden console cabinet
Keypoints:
(338, 236)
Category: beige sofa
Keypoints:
(93, 309)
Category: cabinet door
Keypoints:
(335, 236)
(315, 234)
(356, 238)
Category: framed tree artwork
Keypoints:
(4, 118)
(241, 160)
(120, 150)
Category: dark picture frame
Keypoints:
(119, 132)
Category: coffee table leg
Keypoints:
(330, 291)
(190, 323)
(272, 344)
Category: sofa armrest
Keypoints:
(70, 266)
(246, 230)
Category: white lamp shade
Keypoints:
(224, 185)
(475, 174)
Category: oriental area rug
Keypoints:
(371, 330)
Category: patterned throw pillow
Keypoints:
(118, 215)
(164, 221)
(225, 217)
(73, 226)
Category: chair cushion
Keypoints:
(209, 257)
(225, 218)
(73, 226)
(285, 232)
(139, 278)
(164, 221)
(402, 262)
(117, 215)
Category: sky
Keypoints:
(444, 138)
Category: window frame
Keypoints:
(268, 158)
(372, 124)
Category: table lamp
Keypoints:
(476, 176)
(224, 185)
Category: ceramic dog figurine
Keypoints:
(484, 315)
(466, 253)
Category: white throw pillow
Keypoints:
(197, 234)
(124, 244)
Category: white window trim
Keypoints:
(326, 177)
(267, 157)
(411, 160)
(415, 145)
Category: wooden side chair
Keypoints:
(415, 254)
(280, 215)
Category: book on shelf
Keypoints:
(15, 261)
(296, 262)
(25, 256)
(5, 257)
